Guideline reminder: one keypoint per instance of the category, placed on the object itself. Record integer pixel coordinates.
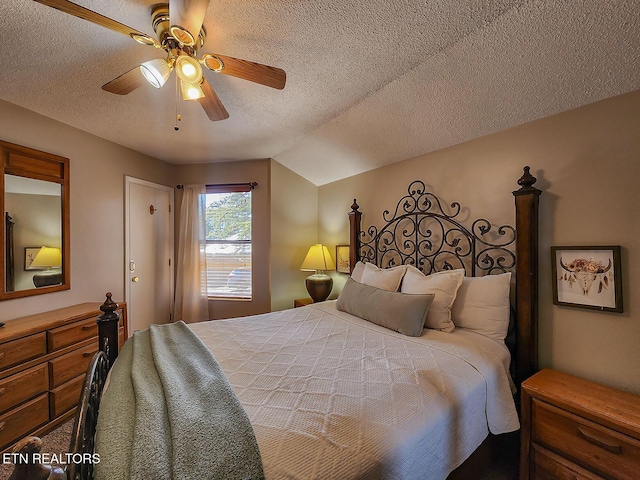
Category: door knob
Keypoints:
(135, 279)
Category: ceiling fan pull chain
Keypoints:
(178, 116)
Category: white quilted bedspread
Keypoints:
(333, 396)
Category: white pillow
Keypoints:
(444, 285)
(482, 305)
(358, 270)
(386, 278)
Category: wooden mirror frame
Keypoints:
(30, 163)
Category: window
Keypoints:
(228, 220)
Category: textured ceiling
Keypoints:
(369, 82)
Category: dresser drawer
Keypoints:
(22, 349)
(23, 386)
(66, 335)
(65, 397)
(24, 419)
(549, 466)
(70, 365)
(593, 446)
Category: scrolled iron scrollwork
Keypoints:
(422, 233)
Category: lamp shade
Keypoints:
(48, 257)
(156, 71)
(318, 258)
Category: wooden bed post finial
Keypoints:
(108, 329)
(354, 234)
(527, 199)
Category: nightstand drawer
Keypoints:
(549, 466)
(23, 386)
(587, 443)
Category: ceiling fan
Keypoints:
(180, 33)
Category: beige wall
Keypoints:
(239, 172)
(587, 162)
(294, 228)
(97, 170)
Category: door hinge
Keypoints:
(169, 262)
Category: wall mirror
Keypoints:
(34, 194)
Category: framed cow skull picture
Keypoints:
(587, 277)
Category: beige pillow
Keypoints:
(385, 278)
(482, 305)
(444, 285)
(394, 310)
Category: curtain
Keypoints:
(191, 279)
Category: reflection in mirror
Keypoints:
(34, 207)
(34, 242)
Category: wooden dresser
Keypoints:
(576, 429)
(43, 359)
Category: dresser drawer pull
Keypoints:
(88, 354)
(88, 327)
(1, 390)
(2, 425)
(600, 441)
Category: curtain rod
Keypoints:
(250, 185)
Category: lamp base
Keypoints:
(47, 278)
(319, 286)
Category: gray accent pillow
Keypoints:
(402, 312)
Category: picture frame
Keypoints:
(587, 277)
(29, 254)
(342, 259)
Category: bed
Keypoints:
(339, 389)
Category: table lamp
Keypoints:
(319, 284)
(48, 257)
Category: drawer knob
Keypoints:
(600, 440)
(88, 327)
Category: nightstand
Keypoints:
(573, 428)
(301, 302)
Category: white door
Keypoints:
(148, 253)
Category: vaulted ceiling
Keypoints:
(368, 82)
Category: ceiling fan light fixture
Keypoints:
(188, 69)
(156, 71)
(191, 91)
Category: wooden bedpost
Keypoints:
(526, 198)
(108, 329)
(354, 234)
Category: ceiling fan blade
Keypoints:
(211, 103)
(125, 83)
(91, 16)
(254, 72)
(188, 14)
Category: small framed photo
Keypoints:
(587, 277)
(29, 254)
(342, 259)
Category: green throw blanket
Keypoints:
(170, 413)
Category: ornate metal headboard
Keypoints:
(423, 233)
